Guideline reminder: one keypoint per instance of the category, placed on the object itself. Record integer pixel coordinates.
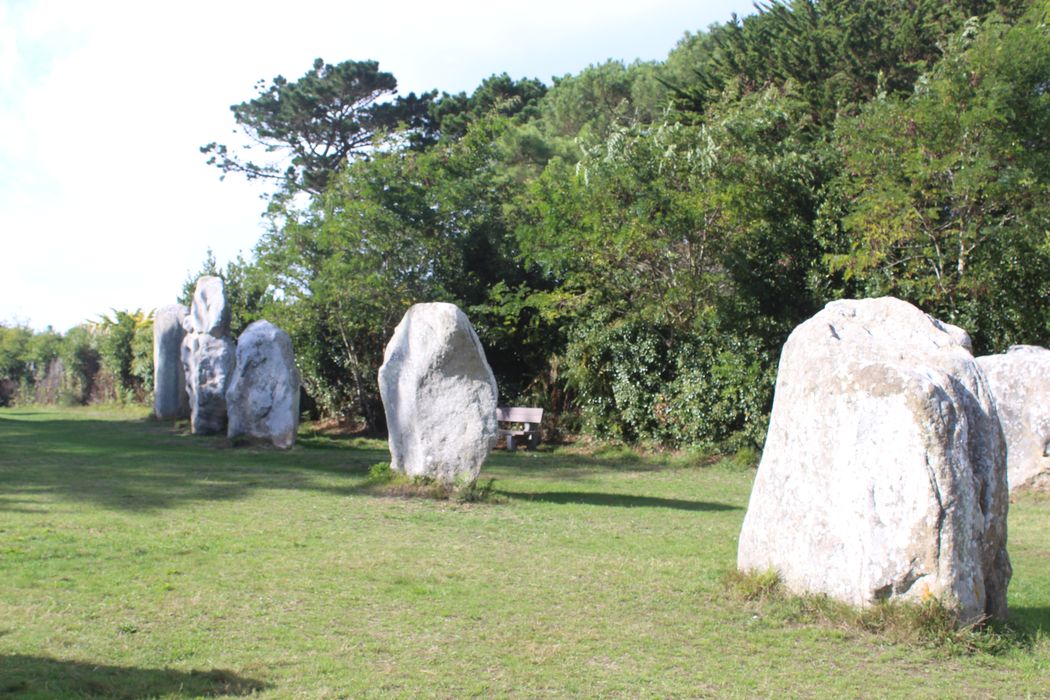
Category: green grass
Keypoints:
(136, 561)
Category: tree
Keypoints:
(944, 197)
(451, 116)
(585, 109)
(330, 115)
(43, 347)
(402, 227)
(347, 267)
(646, 261)
(838, 53)
(626, 227)
(668, 220)
(669, 244)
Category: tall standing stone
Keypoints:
(1020, 382)
(209, 362)
(883, 474)
(439, 395)
(208, 357)
(262, 399)
(170, 401)
(209, 312)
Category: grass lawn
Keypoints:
(139, 562)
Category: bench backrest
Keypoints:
(516, 414)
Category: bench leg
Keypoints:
(510, 443)
(530, 437)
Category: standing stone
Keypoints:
(170, 401)
(1020, 382)
(209, 312)
(439, 395)
(208, 357)
(262, 400)
(884, 472)
(209, 362)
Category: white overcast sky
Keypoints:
(106, 201)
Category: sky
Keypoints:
(105, 199)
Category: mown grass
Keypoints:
(136, 561)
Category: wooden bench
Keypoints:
(529, 418)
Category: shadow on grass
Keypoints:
(567, 462)
(1030, 621)
(614, 499)
(144, 465)
(139, 465)
(42, 677)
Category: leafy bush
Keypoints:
(126, 352)
(14, 342)
(640, 381)
(142, 359)
(80, 357)
(721, 393)
(617, 371)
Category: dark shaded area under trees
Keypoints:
(635, 242)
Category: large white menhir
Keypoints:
(439, 395)
(884, 470)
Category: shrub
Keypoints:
(14, 367)
(617, 371)
(721, 394)
(641, 381)
(80, 357)
(126, 352)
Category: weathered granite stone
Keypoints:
(883, 474)
(439, 395)
(208, 362)
(262, 399)
(1020, 382)
(170, 401)
(209, 312)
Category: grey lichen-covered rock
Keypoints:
(1020, 383)
(208, 356)
(883, 474)
(209, 312)
(439, 395)
(262, 399)
(208, 362)
(170, 401)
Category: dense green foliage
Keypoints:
(126, 351)
(838, 53)
(107, 361)
(635, 242)
(944, 196)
